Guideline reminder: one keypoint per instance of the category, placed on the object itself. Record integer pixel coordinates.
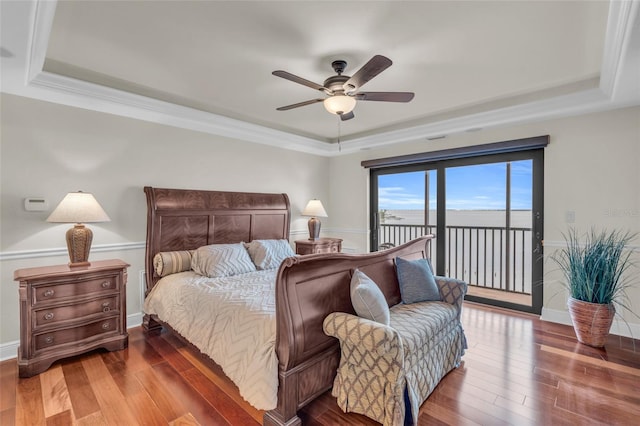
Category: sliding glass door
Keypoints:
(486, 212)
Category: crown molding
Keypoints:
(92, 96)
(617, 88)
(620, 28)
(41, 25)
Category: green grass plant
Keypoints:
(595, 269)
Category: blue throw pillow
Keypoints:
(417, 283)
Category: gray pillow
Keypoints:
(222, 260)
(269, 254)
(416, 280)
(367, 299)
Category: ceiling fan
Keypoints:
(343, 89)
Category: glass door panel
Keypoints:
(488, 223)
(406, 207)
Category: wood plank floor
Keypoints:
(504, 296)
(518, 370)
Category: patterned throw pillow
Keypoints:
(222, 260)
(417, 283)
(269, 254)
(367, 298)
(172, 262)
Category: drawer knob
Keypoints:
(48, 316)
(48, 339)
(106, 284)
(105, 307)
(105, 326)
(48, 293)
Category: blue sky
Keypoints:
(479, 187)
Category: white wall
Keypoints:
(48, 150)
(592, 167)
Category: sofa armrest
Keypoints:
(357, 334)
(452, 291)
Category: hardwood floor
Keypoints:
(505, 296)
(518, 370)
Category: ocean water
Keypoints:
(477, 256)
(519, 218)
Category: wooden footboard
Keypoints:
(308, 288)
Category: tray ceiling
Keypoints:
(214, 59)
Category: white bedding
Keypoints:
(232, 320)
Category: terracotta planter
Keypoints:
(591, 321)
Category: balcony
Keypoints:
(493, 265)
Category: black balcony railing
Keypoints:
(483, 256)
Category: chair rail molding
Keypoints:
(62, 251)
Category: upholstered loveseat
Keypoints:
(383, 367)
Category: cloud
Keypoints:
(393, 197)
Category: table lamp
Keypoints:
(314, 209)
(78, 207)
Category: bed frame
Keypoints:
(308, 288)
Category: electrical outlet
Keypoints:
(570, 216)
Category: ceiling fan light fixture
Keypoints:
(339, 104)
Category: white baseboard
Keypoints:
(9, 350)
(134, 320)
(619, 327)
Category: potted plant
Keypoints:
(594, 271)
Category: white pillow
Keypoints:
(269, 254)
(367, 299)
(222, 260)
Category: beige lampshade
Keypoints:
(315, 209)
(78, 207)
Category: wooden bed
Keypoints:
(308, 288)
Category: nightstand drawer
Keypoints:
(47, 293)
(324, 249)
(75, 335)
(321, 245)
(58, 314)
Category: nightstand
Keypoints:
(321, 245)
(67, 311)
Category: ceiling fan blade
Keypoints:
(375, 66)
(385, 96)
(347, 116)
(300, 80)
(299, 104)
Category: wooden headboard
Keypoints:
(181, 219)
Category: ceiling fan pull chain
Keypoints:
(339, 127)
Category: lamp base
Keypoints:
(314, 229)
(79, 244)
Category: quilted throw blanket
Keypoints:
(232, 320)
